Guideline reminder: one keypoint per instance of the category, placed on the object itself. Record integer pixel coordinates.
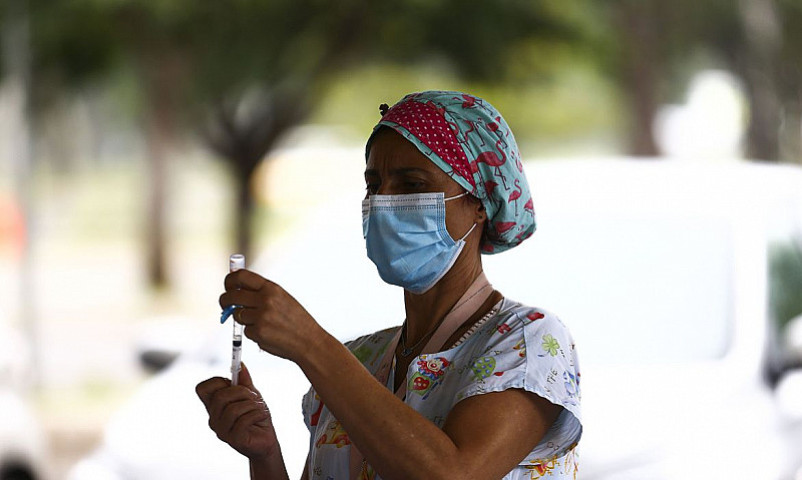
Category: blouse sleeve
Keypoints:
(311, 407)
(368, 350)
(531, 350)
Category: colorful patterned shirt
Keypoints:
(518, 347)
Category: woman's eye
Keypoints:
(412, 185)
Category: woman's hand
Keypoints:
(271, 316)
(239, 416)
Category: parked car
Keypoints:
(22, 445)
(680, 282)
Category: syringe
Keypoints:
(236, 262)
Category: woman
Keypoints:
(472, 385)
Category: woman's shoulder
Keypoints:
(519, 319)
(533, 328)
(368, 349)
(525, 347)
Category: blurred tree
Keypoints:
(640, 30)
(789, 16)
(748, 36)
(655, 45)
(262, 67)
(645, 48)
(245, 72)
(761, 45)
(755, 40)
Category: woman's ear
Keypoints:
(480, 214)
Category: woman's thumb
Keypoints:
(244, 378)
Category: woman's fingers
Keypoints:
(232, 408)
(274, 319)
(207, 388)
(245, 298)
(238, 415)
(233, 412)
(220, 399)
(244, 280)
(259, 417)
(245, 379)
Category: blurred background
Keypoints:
(144, 141)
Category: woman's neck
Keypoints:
(426, 310)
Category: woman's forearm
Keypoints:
(396, 440)
(269, 468)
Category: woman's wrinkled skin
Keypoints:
(483, 437)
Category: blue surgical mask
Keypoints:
(407, 240)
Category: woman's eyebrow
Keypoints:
(406, 170)
(398, 171)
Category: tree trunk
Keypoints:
(162, 74)
(759, 70)
(244, 214)
(763, 132)
(157, 145)
(243, 142)
(639, 74)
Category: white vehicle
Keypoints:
(681, 284)
(22, 446)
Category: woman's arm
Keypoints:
(483, 437)
(240, 417)
(269, 469)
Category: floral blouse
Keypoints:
(518, 347)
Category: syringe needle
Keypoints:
(236, 262)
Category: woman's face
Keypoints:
(396, 166)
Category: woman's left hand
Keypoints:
(271, 316)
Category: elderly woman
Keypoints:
(472, 384)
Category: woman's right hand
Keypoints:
(239, 416)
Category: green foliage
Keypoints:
(479, 39)
(785, 282)
(72, 44)
(568, 99)
(226, 49)
(790, 15)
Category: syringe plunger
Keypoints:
(236, 262)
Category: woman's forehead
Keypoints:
(391, 155)
(391, 152)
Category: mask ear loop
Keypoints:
(474, 223)
(456, 196)
(469, 232)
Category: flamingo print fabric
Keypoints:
(469, 140)
(518, 347)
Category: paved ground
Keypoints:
(68, 447)
(88, 310)
(86, 305)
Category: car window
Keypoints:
(784, 289)
(644, 290)
(785, 280)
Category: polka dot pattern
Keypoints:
(468, 139)
(428, 124)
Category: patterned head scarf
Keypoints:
(469, 140)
